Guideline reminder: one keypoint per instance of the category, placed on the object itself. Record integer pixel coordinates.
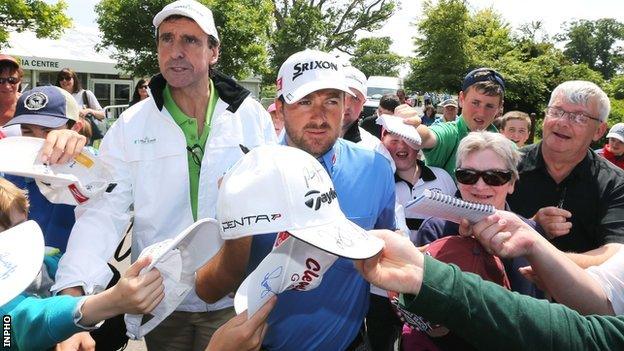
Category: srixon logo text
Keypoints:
(300, 68)
(308, 275)
(316, 198)
(250, 220)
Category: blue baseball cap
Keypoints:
(483, 75)
(47, 106)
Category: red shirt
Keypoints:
(616, 160)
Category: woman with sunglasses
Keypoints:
(486, 173)
(68, 79)
(10, 77)
(140, 91)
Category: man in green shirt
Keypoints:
(481, 99)
(167, 154)
(483, 313)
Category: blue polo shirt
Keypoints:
(56, 220)
(330, 316)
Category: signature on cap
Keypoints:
(6, 267)
(277, 272)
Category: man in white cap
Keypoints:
(311, 94)
(449, 110)
(166, 154)
(356, 81)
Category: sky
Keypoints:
(552, 13)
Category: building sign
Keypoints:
(34, 63)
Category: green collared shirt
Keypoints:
(448, 135)
(196, 144)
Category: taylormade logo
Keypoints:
(250, 220)
(300, 68)
(316, 198)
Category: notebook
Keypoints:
(395, 125)
(450, 208)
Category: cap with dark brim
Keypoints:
(11, 59)
(46, 121)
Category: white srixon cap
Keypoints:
(355, 79)
(191, 9)
(21, 255)
(291, 265)
(276, 188)
(307, 71)
(71, 183)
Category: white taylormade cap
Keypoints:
(292, 264)
(177, 260)
(307, 71)
(21, 255)
(191, 9)
(355, 79)
(71, 183)
(276, 188)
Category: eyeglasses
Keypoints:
(10, 80)
(576, 117)
(490, 177)
(196, 152)
(65, 78)
(142, 87)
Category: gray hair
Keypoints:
(482, 140)
(580, 92)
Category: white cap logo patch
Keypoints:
(36, 101)
(300, 67)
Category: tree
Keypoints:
(373, 57)
(489, 37)
(323, 25)
(46, 20)
(615, 87)
(594, 43)
(126, 25)
(441, 47)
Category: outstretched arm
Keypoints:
(225, 271)
(468, 305)
(506, 235)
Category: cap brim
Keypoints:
(342, 238)
(313, 86)
(22, 250)
(19, 156)
(200, 242)
(39, 120)
(616, 136)
(241, 302)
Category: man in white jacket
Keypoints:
(167, 154)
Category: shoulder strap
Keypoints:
(85, 99)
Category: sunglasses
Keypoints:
(490, 177)
(10, 80)
(65, 78)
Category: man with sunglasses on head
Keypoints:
(167, 154)
(481, 99)
(573, 193)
